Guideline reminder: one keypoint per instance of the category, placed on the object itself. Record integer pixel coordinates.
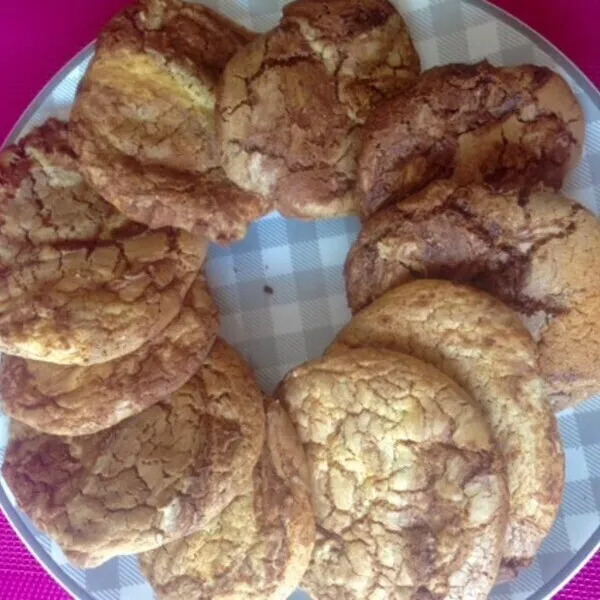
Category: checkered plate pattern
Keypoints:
(281, 290)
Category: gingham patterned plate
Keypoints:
(301, 264)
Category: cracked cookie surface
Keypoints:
(538, 252)
(291, 103)
(154, 477)
(143, 120)
(409, 492)
(516, 126)
(76, 400)
(81, 283)
(481, 344)
(260, 545)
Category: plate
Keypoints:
(302, 262)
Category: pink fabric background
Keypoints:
(38, 36)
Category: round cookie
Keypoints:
(153, 478)
(481, 344)
(538, 252)
(143, 122)
(408, 489)
(260, 545)
(81, 284)
(516, 126)
(75, 400)
(291, 103)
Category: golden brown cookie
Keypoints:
(539, 252)
(81, 284)
(501, 125)
(408, 489)
(154, 477)
(479, 342)
(260, 545)
(75, 400)
(291, 103)
(143, 120)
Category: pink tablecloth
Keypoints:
(38, 36)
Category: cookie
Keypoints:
(408, 489)
(75, 400)
(505, 126)
(260, 545)
(479, 342)
(154, 477)
(291, 103)
(538, 252)
(81, 284)
(143, 121)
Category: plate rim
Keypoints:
(68, 583)
(46, 90)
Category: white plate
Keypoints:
(303, 262)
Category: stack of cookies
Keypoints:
(419, 458)
(134, 425)
(135, 428)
